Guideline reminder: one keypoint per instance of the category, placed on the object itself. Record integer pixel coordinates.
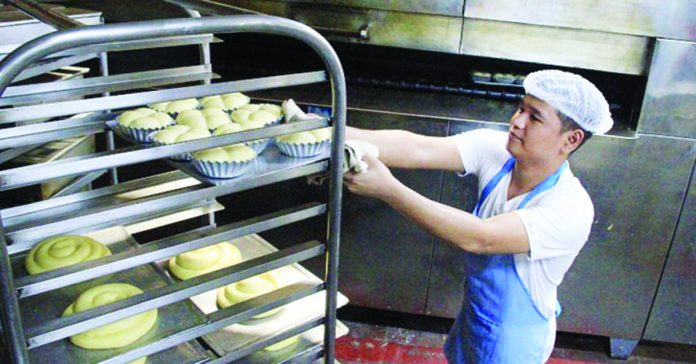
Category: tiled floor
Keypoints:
(372, 344)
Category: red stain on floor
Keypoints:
(367, 350)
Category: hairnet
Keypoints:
(573, 96)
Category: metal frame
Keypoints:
(101, 37)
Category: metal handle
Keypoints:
(361, 33)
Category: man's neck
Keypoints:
(527, 175)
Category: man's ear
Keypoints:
(573, 139)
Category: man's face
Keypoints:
(535, 131)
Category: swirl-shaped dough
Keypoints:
(116, 334)
(204, 260)
(62, 251)
(249, 288)
(283, 343)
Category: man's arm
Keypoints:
(503, 233)
(404, 149)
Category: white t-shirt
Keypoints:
(558, 220)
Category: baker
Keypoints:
(532, 217)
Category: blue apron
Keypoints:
(498, 322)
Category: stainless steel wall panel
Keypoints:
(446, 7)
(389, 28)
(669, 105)
(653, 18)
(384, 257)
(637, 187)
(555, 46)
(673, 317)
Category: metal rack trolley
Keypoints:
(74, 213)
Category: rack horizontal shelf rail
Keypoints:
(23, 226)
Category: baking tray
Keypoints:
(308, 339)
(172, 318)
(237, 336)
(271, 160)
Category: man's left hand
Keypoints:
(376, 182)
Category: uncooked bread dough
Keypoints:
(204, 260)
(62, 251)
(249, 288)
(116, 334)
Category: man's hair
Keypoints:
(567, 124)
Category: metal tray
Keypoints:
(236, 337)
(308, 339)
(271, 160)
(172, 318)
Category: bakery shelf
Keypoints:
(25, 235)
(163, 248)
(78, 183)
(62, 90)
(19, 177)
(232, 335)
(63, 108)
(40, 133)
(52, 64)
(57, 329)
(13, 153)
(269, 161)
(307, 350)
(93, 210)
(172, 318)
(130, 190)
(239, 340)
(228, 316)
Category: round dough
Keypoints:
(322, 134)
(213, 102)
(239, 153)
(263, 116)
(249, 288)
(205, 119)
(227, 129)
(257, 113)
(169, 135)
(212, 155)
(116, 334)
(128, 117)
(193, 133)
(181, 105)
(62, 251)
(160, 106)
(235, 100)
(283, 343)
(208, 112)
(204, 260)
(303, 137)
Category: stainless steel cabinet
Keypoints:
(669, 105)
(385, 258)
(637, 187)
(401, 25)
(674, 311)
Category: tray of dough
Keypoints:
(307, 339)
(172, 318)
(269, 161)
(237, 336)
